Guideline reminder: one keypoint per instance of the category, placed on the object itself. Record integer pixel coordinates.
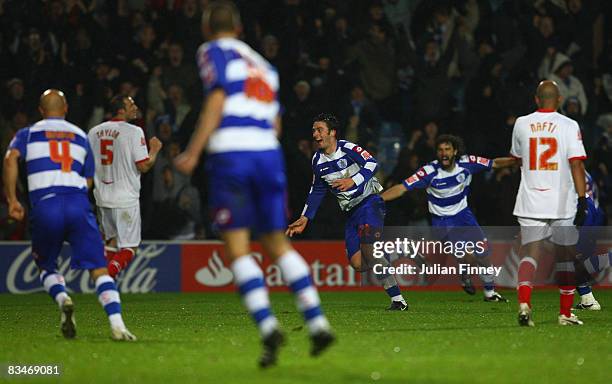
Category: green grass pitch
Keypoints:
(445, 337)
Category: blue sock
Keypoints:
(584, 290)
(54, 285)
(598, 263)
(394, 292)
(297, 276)
(249, 279)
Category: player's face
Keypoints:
(131, 109)
(322, 135)
(446, 154)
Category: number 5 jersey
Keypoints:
(117, 147)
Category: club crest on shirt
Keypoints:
(342, 163)
(460, 178)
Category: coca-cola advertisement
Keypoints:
(156, 268)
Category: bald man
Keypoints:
(59, 165)
(551, 199)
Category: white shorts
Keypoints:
(121, 223)
(560, 231)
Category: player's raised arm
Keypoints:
(476, 164)
(418, 180)
(155, 146)
(505, 162)
(394, 192)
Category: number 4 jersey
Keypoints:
(546, 141)
(58, 158)
(117, 147)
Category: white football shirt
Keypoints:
(117, 147)
(546, 141)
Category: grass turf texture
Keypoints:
(445, 337)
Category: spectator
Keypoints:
(569, 86)
(178, 72)
(375, 57)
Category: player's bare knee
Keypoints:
(356, 263)
(275, 244)
(236, 243)
(95, 273)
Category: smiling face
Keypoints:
(446, 154)
(324, 137)
(131, 109)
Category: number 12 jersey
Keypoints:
(546, 141)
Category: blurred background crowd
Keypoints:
(397, 73)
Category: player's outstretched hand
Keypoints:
(343, 184)
(155, 144)
(185, 162)
(16, 211)
(297, 226)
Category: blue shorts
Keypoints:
(460, 228)
(364, 224)
(248, 190)
(68, 218)
(588, 233)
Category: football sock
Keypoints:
(584, 290)
(108, 296)
(110, 252)
(388, 281)
(297, 276)
(119, 261)
(567, 283)
(249, 279)
(526, 274)
(54, 285)
(486, 278)
(598, 263)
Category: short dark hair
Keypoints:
(453, 140)
(116, 103)
(222, 16)
(329, 119)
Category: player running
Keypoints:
(447, 182)
(239, 124)
(551, 199)
(121, 156)
(59, 164)
(347, 170)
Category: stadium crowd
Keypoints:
(396, 72)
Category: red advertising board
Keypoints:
(204, 267)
